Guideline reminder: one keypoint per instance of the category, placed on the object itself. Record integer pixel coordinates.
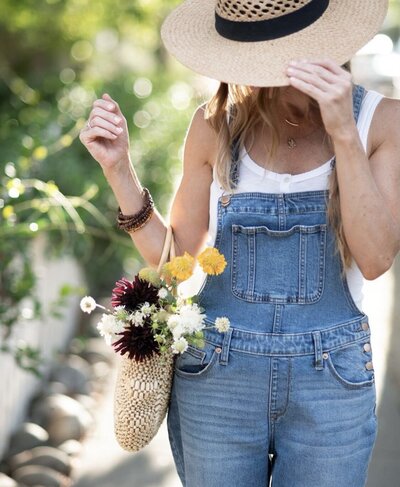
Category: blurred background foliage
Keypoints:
(56, 58)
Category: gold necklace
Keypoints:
(291, 141)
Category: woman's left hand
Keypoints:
(331, 86)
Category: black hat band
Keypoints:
(269, 29)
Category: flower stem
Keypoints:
(102, 307)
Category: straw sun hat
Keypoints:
(250, 42)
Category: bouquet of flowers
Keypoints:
(150, 324)
(149, 316)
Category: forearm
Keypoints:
(368, 224)
(149, 239)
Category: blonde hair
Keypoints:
(249, 111)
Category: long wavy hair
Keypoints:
(249, 111)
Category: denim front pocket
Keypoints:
(194, 361)
(278, 266)
(352, 365)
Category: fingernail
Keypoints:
(117, 119)
(290, 70)
(110, 106)
(119, 129)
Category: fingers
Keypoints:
(307, 88)
(108, 120)
(321, 79)
(105, 119)
(311, 70)
(329, 64)
(309, 77)
(94, 132)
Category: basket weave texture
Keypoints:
(141, 399)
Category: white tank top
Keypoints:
(253, 177)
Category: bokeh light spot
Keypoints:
(142, 87)
(82, 50)
(141, 119)
(67, 76)
(40, 153)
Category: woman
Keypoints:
(288, 391)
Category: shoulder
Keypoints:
(385, 125)
(202, 136)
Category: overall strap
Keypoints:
(358, 96)
(234, 170)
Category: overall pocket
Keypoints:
(278, 266)
(352, 365)
(196, 361)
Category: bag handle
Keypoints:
(168, 250)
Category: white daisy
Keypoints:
(108, 327)
(180, 345)
(146, 308)
(191, 317)
(222, 324)
(162, 293)
(87, 304)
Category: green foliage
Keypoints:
(57, 57)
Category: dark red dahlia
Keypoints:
(133, 294)
(137, 341)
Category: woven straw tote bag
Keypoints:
(142, 390)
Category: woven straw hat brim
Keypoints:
(188, 33)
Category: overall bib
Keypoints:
(288, 391)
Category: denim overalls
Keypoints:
(288, 391)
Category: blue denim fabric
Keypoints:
(285, 394)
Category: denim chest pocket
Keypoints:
(278, 266)
(352, 365)
(195, 361)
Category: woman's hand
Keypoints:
(106, 134)
(331, 86)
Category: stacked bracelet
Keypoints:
(131, 223)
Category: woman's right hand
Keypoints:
(107, 137)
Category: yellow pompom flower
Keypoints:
(150, 275)
(212, 261)
(181, 267)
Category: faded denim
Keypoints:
(287, 394)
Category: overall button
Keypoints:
(225, 199)
(369, 366)
(365, 326)
(367, 347)
(218, 349)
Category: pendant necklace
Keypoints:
(291, 141)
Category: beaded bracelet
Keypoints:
(131, 223)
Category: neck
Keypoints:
(295, 106)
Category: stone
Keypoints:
(74, 372)
(56, 388)
(87, 401)
(35, 475)
(71, 447)
(100, 371)
(42, 455)
(96, 350)
(28, 435)
(6, 481)
(63, 417)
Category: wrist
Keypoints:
(120, 169)
(345, 135)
